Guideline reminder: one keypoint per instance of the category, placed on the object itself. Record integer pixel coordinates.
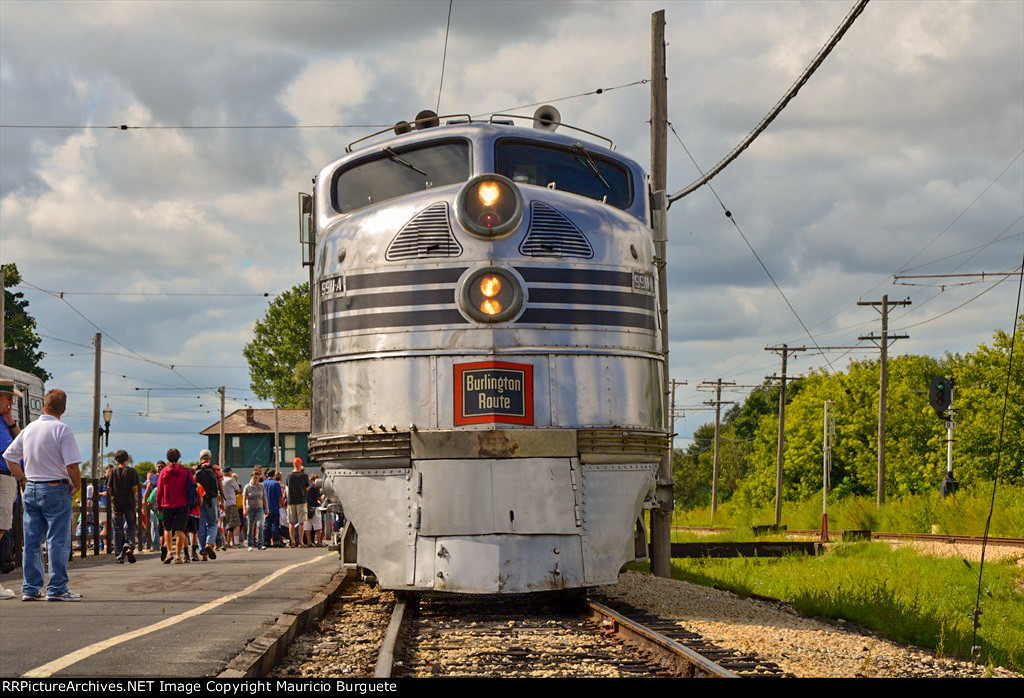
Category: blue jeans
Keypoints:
(208, 523)
(273, 528)
(254, 523)
(121, 522)
(154, 529)
(47, 517)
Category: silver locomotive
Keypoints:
(487, 397)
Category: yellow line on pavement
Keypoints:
(51, 668)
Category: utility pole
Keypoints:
(828, 434)
(672, 413)
(717, 404)
(222, 450)
(96, 405)
(95, 451)
(785, 350)
(883, 382)
(277, 442)
(661, 515)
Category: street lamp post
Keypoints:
(104, 431)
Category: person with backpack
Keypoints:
(174, 490)
(156, 532)
(209, 506)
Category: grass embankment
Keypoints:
(961, 514)
(906, 596)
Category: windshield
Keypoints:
(399, 171)
(572, 169)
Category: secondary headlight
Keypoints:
(491, 294)
(490, 205)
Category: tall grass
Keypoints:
(908, 597)
(961, 514)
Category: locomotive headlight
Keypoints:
(491, 294)
(490, 285)
(489, 193)
(489, 205)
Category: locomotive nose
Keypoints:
(489, 206)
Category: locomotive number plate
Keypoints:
(332, 286)
(643, 282)
(493, 391)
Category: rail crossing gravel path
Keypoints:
(347, 640)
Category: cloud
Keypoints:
(917, 111)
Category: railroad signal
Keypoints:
(940, 395)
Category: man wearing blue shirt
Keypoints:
(275, 500)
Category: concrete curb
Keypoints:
(263, 653)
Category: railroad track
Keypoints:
(552, 636)
(922, 537)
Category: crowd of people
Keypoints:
(188, 512)
(196, 512)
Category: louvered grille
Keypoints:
(428, 234)
(553, 235)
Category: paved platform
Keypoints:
(151, 619)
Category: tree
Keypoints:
(978, 394)
(279, 355)
(21, 343)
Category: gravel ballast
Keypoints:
(803, 647)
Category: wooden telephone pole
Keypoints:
(661, 515)
(717, 404)
(883, 381)
(785, 351)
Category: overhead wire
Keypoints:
(444, 58)
(228, 127)
(732, 219)
(822, 54)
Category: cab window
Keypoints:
(394, 172)
(573, 169)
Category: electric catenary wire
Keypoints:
(779, 106)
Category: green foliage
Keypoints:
(978, 394)
(21, 343)
(143, 467)
(964, 513)
(279, 354)
(915, 436)
(909, 597)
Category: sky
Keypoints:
(904, 153)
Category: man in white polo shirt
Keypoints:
(51, 456)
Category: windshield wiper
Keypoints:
(394, 157)
(589, 162)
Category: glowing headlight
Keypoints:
(491, 294)
(489, 205)
(489, 193)
(490, 285)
